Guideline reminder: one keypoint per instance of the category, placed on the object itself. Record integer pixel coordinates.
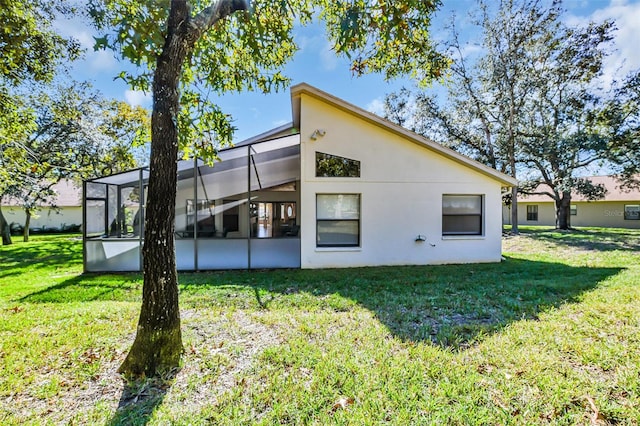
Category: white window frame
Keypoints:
(338, 217)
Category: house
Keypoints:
(337, 187)
(67, 211)
(620, 208)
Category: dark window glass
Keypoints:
(328, 165)
(632, 212)
(532, 213)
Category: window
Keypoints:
(338, 220)
(328, 165)
(200, 216)
(632, 211)
(574, 210)
(462, 215)
(532, 213)
(230, 216)
(273, 220)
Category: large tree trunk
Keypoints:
(158, 343)
(4, 229)
(27, 223)
(563, 211)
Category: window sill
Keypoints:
(338, 249)
(463, 237)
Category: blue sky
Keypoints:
(317, 65)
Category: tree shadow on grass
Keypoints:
(88, 288)
(140, 398)
(40, 254)
(600, 239)
(449, 305)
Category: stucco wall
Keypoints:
(45, 217)
(401, 187)
(596, 213)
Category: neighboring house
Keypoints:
(67, 211)
(618, 209)
(338, 187)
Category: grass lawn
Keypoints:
(549, 336)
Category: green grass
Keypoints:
(549, 336)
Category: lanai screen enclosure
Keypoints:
(240, 213)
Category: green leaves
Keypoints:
(30, 48)
(247, 51)
(69, 132)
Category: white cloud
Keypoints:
(624, 57)
(376, 106)
(137, 97)
(102, 60)
(328, 57)
(96, 62)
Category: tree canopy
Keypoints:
(247, 51)
(31, 52)
(76, 134)
(531, 104)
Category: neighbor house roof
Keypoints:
(299, 89)
(613, 186)
(68, 195)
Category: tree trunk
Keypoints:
(27, 223)
(514, 195)
(4, 230)
(514, 211)
(563, 211)
(158, 343)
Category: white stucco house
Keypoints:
(337, 187)
(67, 211)
(620, 207)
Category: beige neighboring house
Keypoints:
(618, 209)
(68, 209)
(337, 187)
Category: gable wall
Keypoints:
(401, 187)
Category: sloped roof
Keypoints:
(68, 195)
(304, 88)
(614, 192)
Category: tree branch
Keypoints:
(214, 13)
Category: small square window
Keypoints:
(532, 213)
(462, 215)
(632, 211)
(574, 210)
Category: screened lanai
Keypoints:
(240, 213)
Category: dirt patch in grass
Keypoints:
(217, 350)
